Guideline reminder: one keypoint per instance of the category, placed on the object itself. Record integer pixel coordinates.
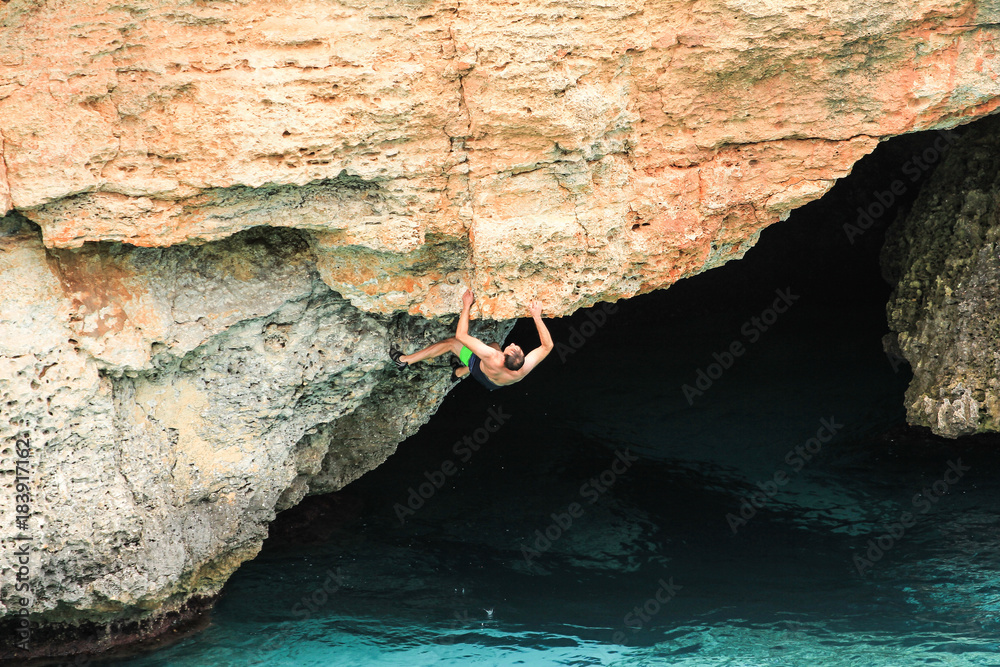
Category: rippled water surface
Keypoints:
(870, 545)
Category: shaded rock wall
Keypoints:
(944, 260)
(174, 400)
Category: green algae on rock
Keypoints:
(944, 260)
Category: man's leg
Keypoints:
(436, 350)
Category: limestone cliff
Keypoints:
(173, 399)
(241, 204)
(573, 152)
(944, 260)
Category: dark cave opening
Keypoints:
(825, 256)
(734, 446)
(736, 443)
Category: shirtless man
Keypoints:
(491, 366)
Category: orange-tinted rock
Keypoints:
(568, 152)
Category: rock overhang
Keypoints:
(554, 152)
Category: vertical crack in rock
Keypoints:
(458, 135)
(6, 204)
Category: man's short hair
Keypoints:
(513, 360)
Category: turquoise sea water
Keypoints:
(642, 555)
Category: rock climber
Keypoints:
(491, 366)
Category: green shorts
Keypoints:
(465, 354)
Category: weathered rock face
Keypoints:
(944, 260)
(241, 204)
(568, 152)
(174, 399)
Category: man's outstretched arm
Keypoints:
(535, 357)
(478, 347)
